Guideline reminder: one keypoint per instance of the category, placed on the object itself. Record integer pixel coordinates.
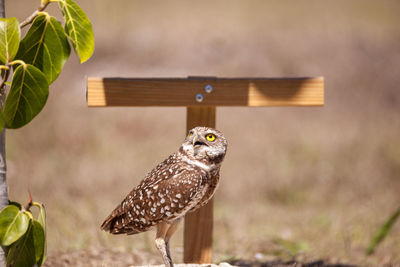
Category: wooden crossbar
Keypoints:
(255, 92)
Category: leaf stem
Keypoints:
(29, 205)
(33, 16)
(27, 212)
(4, 67)
(36, 204)
(18, 61)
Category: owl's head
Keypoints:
(205, 144)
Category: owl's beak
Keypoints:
(197, 141)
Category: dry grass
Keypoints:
(310, 182)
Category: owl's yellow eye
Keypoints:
(210, 137)
(190, 134)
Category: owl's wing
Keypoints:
(163, 198)
(212, 187)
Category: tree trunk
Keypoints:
(3, 167)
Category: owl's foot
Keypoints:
(164, 250)
(164, 233)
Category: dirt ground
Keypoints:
(95, 257)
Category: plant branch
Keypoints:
(3, 166)
(4, 79)
(33, 16)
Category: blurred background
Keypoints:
(314, 183)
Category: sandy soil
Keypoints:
(101, 257)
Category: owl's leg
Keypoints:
(171, 230)
(161, 244)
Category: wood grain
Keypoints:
(255, 92)
(199, 224)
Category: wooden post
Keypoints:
(199, 224)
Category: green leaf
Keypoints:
(22, 253)
(18, 205)
(28, 95)
(39, 242)
(78, 28)
(42, 221)
(30, 248)
(42, 215)
(13, 224)
(382, 232)
(9, 39)
(45, 46)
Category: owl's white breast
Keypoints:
(199, 164)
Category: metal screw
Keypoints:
(199, 97)
(208, 88)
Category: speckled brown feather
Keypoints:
(179, 184)
(166, 193)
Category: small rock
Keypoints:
(224, 264)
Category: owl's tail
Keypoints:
(108, 223)
(115, 223)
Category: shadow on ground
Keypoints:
(292, 263)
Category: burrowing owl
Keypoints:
(183, 182)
